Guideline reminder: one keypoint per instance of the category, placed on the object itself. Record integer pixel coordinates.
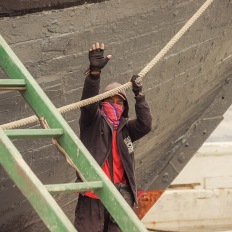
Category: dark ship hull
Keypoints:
(189, 90)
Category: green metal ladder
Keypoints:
(37, 193)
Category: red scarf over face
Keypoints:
(112, 112)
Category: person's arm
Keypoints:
(142, 125)
(92, 82)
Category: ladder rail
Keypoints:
(86, 164)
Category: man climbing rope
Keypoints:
(108, 134)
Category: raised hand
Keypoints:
(96, 58)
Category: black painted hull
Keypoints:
(189, 90)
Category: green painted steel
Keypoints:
(80, 156)
(32, 188)
(9, 82)
(75, 187)
(33, 133)
(6, 84)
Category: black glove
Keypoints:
(97, 60)
(137, 84)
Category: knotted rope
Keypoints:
(144, 71)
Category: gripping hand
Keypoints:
(137, 84)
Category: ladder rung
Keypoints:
(75, 187)
(12, 84)
(33, 133)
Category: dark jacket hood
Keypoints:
(122, 94)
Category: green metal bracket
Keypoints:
(75, 187)
(33, 133)
(6, 84)
(15, 83)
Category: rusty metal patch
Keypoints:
(146, 200)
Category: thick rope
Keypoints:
(61, 149)
(144, 71)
